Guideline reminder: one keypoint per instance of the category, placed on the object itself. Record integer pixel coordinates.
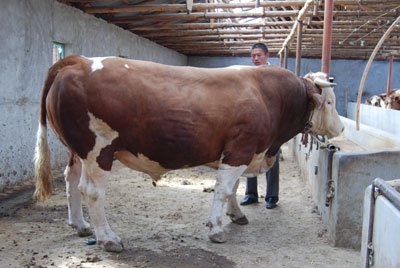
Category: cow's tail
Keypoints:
(43, 178)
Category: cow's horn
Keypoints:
(323, 83)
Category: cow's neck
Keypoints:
(294, 119)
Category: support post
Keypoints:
(286, 55)
(390, 75)
(298, 49)
(327, 39)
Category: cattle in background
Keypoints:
(389, 101)
(155, 118)
(393, 100)
(376, 100)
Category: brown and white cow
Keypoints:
(155, 118)
(378, 101)
(385, 100)
(393, 100)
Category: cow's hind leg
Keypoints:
(75, 215)
(234, 212)
(227, 177)
(93, 186)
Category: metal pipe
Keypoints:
(370, 226)
(390, 75)
(330, 192)
(327, 39)
(371, 58)
(388, 191)
(394, 197)
(298, 48)
(285, 57)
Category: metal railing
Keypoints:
(378, 187)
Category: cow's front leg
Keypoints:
(234, 212)
(93, 186)
(227, 176)
(75, 215)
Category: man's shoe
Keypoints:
(271, 202)
(249, 199)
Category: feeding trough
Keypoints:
(381, 220)
(339, 173)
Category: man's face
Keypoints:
(258, 57)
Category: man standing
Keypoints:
(259, 56)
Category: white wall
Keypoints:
(380, 118)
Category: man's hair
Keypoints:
(260, 45)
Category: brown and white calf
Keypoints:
(155, 118)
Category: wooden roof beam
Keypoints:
(393, 53)
(301, 16)
(217, 31)
(243, 43)
(183, 26)
(183, 7)
(217, 37)
(208, 15)
(187, 26)
(360, 13)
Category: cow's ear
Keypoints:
(318, 100)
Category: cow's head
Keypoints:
(375, 101)
(325, 119)
(378, 101)
(393, 100)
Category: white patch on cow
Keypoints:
(97, 63)
(141, 163)
(75, 214)
(227, 177)
(104, 136)
(237, 67)
(93, 183)
(374, 100)
(126, 66)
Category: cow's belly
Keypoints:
(141, 163)
(144, 164)
(155, 170)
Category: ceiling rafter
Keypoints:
(230, 27)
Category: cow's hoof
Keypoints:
(241, 221)
(84, 232)
(217, 237)
(112, 246)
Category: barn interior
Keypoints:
(357, 42)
